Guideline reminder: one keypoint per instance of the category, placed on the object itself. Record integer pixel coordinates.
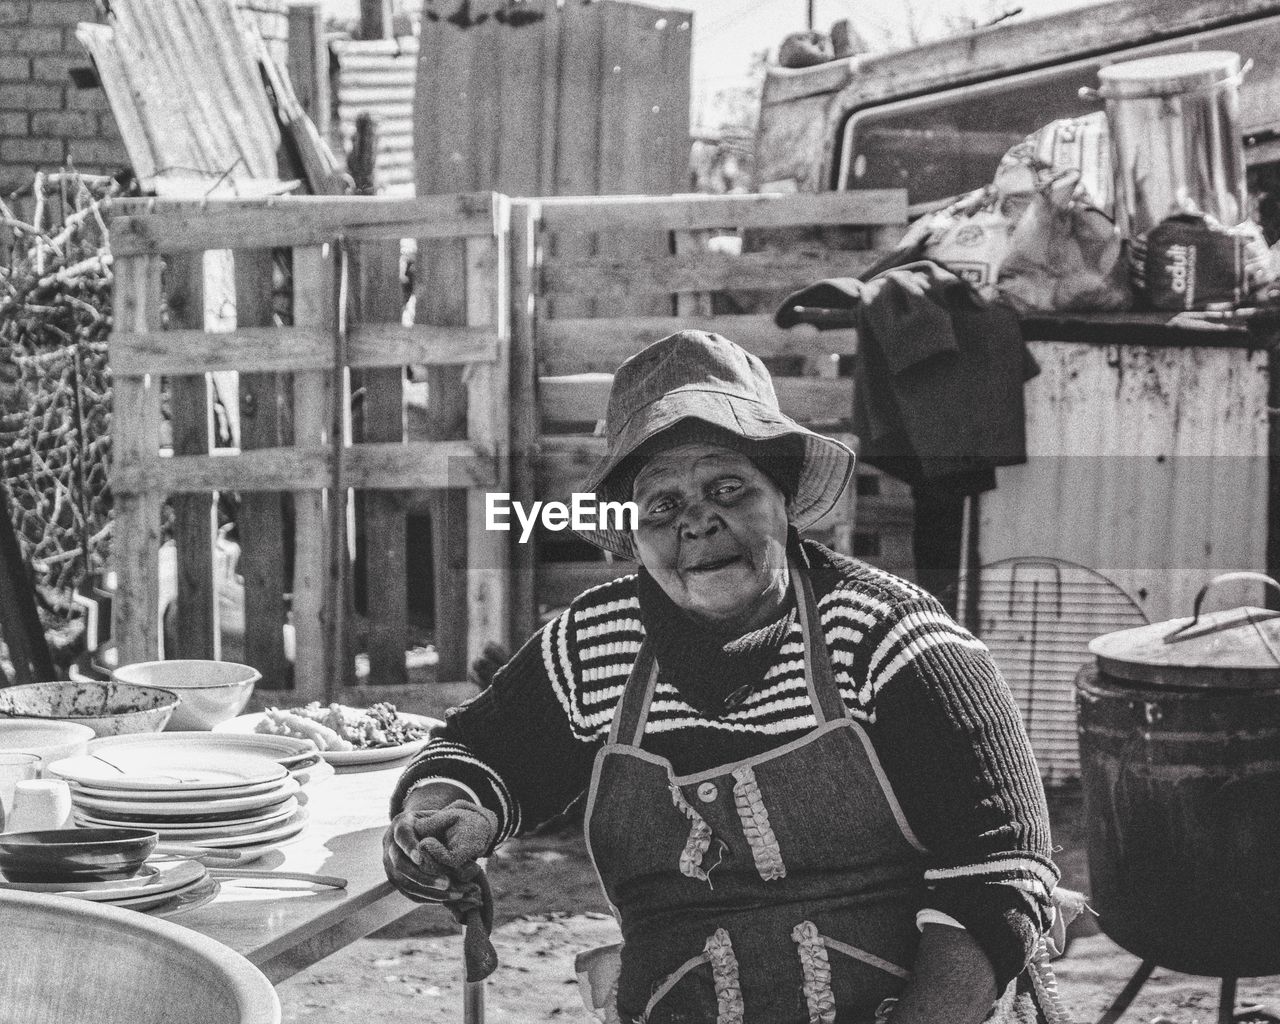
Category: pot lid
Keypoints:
(1169, 74)
(1238, 648)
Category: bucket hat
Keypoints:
(696, 375)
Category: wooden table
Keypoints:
(284, 931)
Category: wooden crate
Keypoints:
(345, 326)
(569, 336)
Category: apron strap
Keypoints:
(824, 694)
(637, 693)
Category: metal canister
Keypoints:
(1179, 727)
(1175, 137)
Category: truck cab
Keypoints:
(936, 119)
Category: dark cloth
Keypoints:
(712, 673)
(938, 377)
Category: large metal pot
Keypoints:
(1175, 137)
(1179, 728)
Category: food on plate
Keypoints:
(341, 728)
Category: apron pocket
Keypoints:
(704, 988)
(838, 977)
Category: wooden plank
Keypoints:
(600, 345)
(696, 212)
(561, 582)
(300, 220)
(136, 435)
(616, 277)
(381, 546)
(524, 410)
(313, 397)
(553, 58)
(583, 398)
(290, 349)
(388, 466)
(691, 304)
(631, 88)
(488, 427)
(308, 64)
(260, 522)
(576, 170)
(195, 516)
(264, 469)
(250, 349)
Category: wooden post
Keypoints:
(309, 62)
(135, 419)
(313, 395)
(440, 284)
(260, 521)
(195, 527)
(376, 279)
(375, 19)
(488, 426)
(525, 426)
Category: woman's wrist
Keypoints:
(433, 794)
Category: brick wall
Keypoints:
(44, 118)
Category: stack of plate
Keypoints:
(160, 888)
(299, 756)
(198, 792)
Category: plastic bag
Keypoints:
(969, 238)
(1080, 144)
(1065, 254)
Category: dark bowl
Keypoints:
(75, 854)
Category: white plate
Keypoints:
(182, 830)
(177, 793)
(185, 899)
(246, 724)
(162, 877)
(284, 749)
(284, 830)
(142, 768)
(189, 809)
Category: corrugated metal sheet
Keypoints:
(187, 95)
(1147, 468)
(378, 77)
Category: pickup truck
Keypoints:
(936, 119)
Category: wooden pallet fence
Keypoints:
(345, 330)
(567, 360)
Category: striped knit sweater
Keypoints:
(941, 718)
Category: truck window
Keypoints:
(941, 146)
(949, 142)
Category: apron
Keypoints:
(780, 888)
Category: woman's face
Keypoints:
(713, 534)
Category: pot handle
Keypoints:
(1226, 577)
(1089, 93)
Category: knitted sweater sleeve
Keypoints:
(956, 754)
(519, 745)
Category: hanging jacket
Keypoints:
(938, 377)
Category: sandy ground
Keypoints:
(548, 907)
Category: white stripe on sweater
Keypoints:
(1006, 866)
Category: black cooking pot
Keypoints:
(1179, 729)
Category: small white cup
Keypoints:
(39, 804)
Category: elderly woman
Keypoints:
(809, 796)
